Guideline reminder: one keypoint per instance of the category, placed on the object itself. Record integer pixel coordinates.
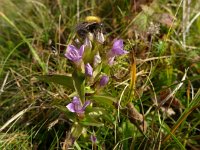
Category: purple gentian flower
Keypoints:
(73, 53)
(104, 80)
(116, 50)
(76, 106)
(88, 70)
(93, 138)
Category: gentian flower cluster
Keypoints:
(77, 56)
(90, 75)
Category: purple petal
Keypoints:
(73, 56)
(118, 43)
(81, 50)
(86, 104)
(77, 104)
(111, 60)
(71, 107)
(76, 100)
(118, 51)
(72, 53)
(117, 48)
(104, 80)
(71, 48)
(88, 70)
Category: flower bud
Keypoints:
(88, 70)
(97, 60)
(93, 138)
(100, 37)
(104, 80)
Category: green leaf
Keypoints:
(100, 113)
(79, 84)
(95, 124)
(95, 112)
(89, 121)
(63, 80)
(107, 100)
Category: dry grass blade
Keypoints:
(174, 91)
(17, 116)
(133, 73)
(4, 82)
(136, 118)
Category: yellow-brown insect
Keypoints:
(92, 25)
